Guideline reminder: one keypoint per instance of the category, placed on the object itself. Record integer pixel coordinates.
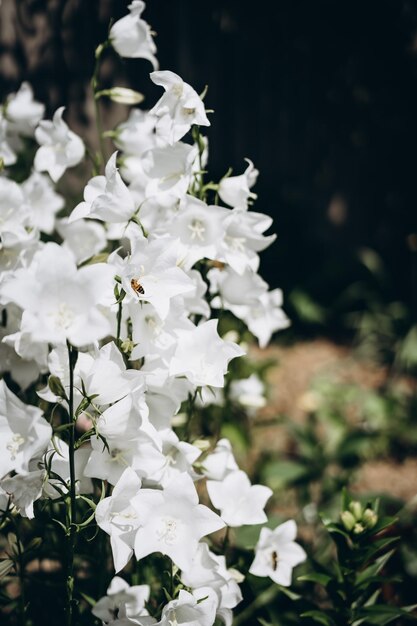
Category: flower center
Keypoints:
(173, 621)
(274, 559)
(188, 111)
(167, 530)
(197, 229)
(63, 317)
(235, 243)
(14, 444)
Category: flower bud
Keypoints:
(122, 95)
(369, 518)
(56, 387)
(358, 528)
(348, 520)
(356, 509)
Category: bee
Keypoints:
(137, 287)
(274, 558)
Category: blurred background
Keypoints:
(321, 96)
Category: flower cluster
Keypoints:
(117, 329)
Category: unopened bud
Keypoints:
(369, 518)
(1, 164)
(348, 520)
(56, 387)
(202, 444)
(358, 528)
(122, 95)
(356, 509)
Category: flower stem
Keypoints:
(102, 157)
(71, 510)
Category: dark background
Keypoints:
(321, 95)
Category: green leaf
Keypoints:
(383, 613)
(315, 577)
(279, 474)
(319, 616)
(88, 599)
(373, 569)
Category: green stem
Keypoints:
(71, 511)
(95, 87)
(119, 323)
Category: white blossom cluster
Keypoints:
(141, 265)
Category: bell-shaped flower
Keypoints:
(209, 570)
(179, 456)
(59, 301)
(151, 274)
(178, 109)
(14, 214)
(263, 317)
(131, 441)
(119, 519)
(24, 433)
(107, 378)
(60, 148)
(84, 238)
(249, 393)
(151, 333)
(131, 36)
(122, 600)
(221, 462)
(173, 521)
(239, 502)
(199, 228)
(24, 490)
(202, 356)
(169, 170)
(235, 289)
(188, 610)
(23, 112)
(244, 238)
(137, 134)
(106, 197)
(43, 201)
(7, 151)
(277, 553)
(235, 190)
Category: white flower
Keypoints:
(153, 266)
(24, 433)
(235, 190)
(187, 610)
(263, 317)
(234, 288)
(172, 521)
(277, 553)
(24, 490)
(248, 392)
(178, 109)
(199, 228)
(60, 147)
(106, 197)
(119, 519)
(60, 302)
(244, 238)
(239, 502)
(202, 356)
(122, 601)
(14, 214)
(23, 112)
(131, 36)
(169, 171)
(84, 238)
(221, 462)
(43, 201)
(7, 153)
(137, 134)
